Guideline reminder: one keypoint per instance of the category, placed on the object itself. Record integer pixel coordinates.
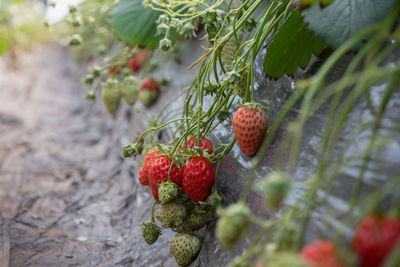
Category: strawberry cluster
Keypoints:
(195, 176)
(180, 184)
(120, 81)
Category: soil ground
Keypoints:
(67, 198)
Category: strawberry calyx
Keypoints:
(253, 105)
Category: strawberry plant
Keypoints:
(183, 171)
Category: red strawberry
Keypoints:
(159, 172)
(198, 178)
(147, 162)
(114, 70)
(150, 85)
(205, 144)
(321, 254)
(250, 125)
(148, 91)
(375, 237)
(137, 62)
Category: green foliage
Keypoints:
(291, 47)
(135, 24)
(21, 26)
(339, 21)
(3, 45)
(90, 23)
(307, 3)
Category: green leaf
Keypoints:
(134, 23)
(340, 20)
(291, 48)
(308, 3)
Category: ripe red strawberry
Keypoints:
(374, 239)
(148, 91)
(137, 62)
(205, 144)
(250, 125)
(147, 162)
(159, 172)
(198, 178)
(321, 254)
(114, 70)
(150, 85)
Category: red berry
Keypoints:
(205, 144)
(150, 85)
(159, 172)
(137, 62)
(198, 178)
(147, 162)
(250, 126)
(114, 70)
(375, 237)
(321, 254)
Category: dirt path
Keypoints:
(67, 198)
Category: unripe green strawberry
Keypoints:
(148, 97)
(228, 52)
(167, 191)
(233, 224)
(111, 95)
(150, 232)
(197, 219)
(76, 39)
(185, 247)
(171, 214)
(240, 88)
(276, 188)
(160, 170)
(130, 90)
(250, 125)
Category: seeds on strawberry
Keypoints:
(197, 220)
(159, 172)
(150, 232)
(229, 49)
(185, 247)
(198, 178)
(147, 162)
(250, 125)
(167, 192)
(375, 238)
(171, 214)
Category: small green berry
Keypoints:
(150, 232)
